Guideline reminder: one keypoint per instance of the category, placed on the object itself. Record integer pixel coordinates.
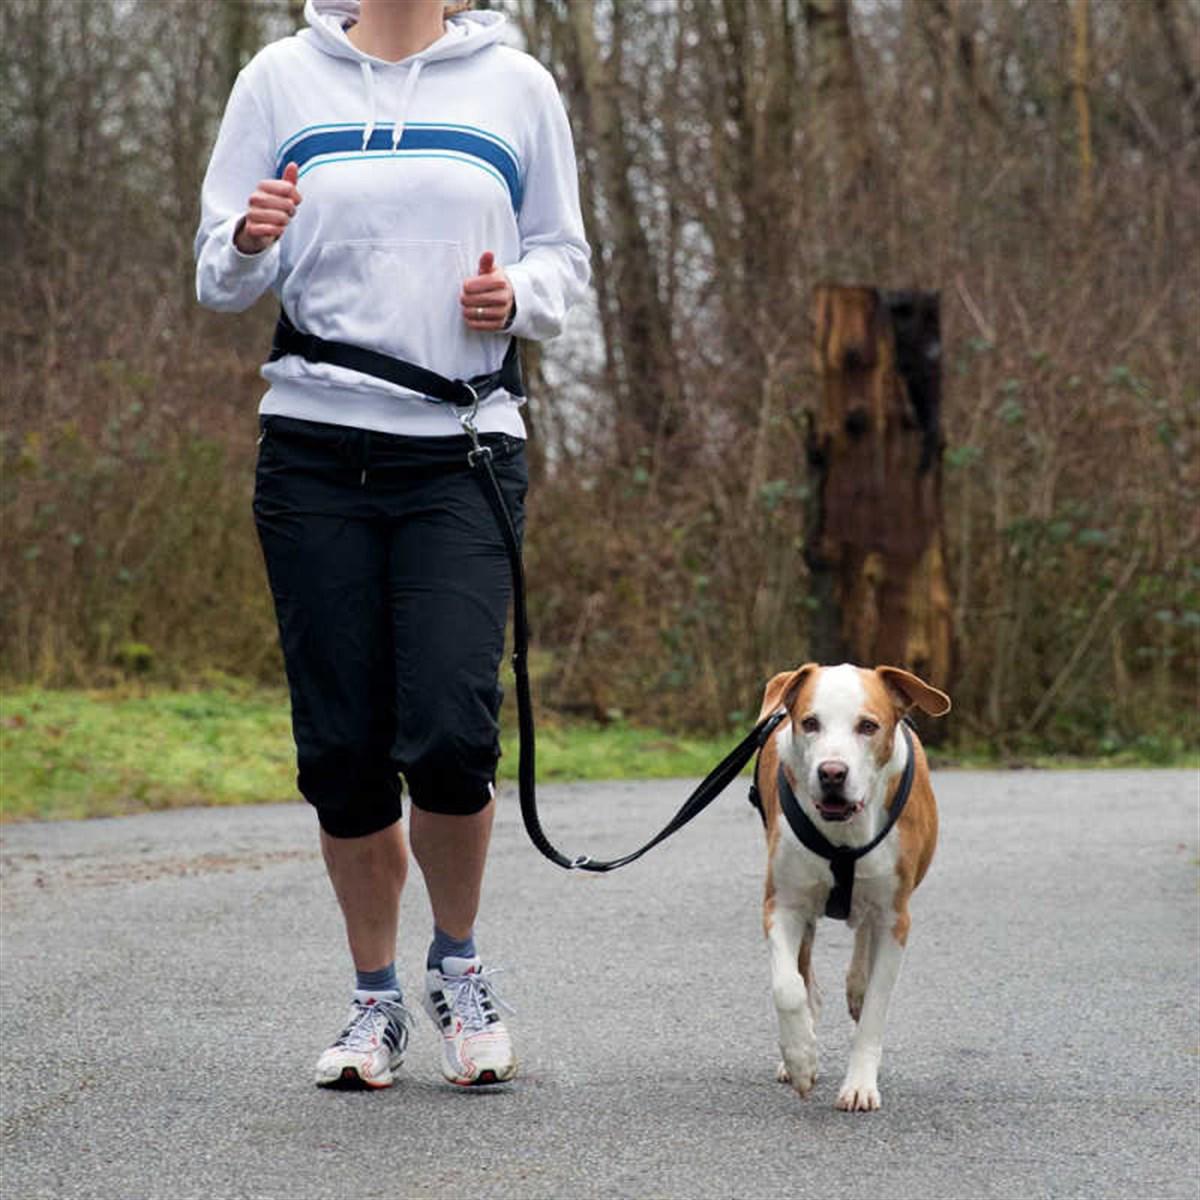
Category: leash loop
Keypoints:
(709, 788)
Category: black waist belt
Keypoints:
(462, 393)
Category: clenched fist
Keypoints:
(487, 298)
(271, 208)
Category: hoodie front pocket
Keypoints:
(398, 297)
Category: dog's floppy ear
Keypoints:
(907, 691)
(782, 689)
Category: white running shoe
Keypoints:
(371, 1046)
(476, 1049)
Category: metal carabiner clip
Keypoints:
(466, 418)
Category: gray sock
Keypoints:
(445, 946)
(383, 980)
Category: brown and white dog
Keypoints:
(842, 750)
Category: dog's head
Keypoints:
(842, 747)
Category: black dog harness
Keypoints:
(841, 858)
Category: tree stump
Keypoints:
(875, 541)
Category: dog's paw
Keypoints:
(800, 1072)
(858, 1097)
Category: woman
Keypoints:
(412, 191)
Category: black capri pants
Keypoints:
(391, 585)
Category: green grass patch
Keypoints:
(102, 753)
(1145, 752)
(88, 754)
(566, 752)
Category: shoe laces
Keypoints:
(472, 997)
(364, 1029)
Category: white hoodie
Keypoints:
(409, 171)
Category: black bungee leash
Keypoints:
(709, 788)
(464, 396)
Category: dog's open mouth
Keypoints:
(836, 808)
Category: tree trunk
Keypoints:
(1080, 81)
(840, 122)
(875, 544)
(648, 399)
(240, 29)
(1181, 65)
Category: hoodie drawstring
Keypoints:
(410, 86)
(368, 78)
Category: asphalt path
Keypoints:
(168, 980)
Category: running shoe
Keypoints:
(461, 1002)
(372, 1045)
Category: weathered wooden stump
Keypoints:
(875, 542)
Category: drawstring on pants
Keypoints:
(354, 448)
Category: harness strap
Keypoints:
(459, 392)
(842, 859)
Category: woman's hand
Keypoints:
(271, 208)
(487, 298)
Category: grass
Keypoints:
(103, 753)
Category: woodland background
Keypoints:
(1037, 161)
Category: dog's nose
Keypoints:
(832, 773)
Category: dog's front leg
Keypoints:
(860, 1088)
(860, 965)
(786, 930)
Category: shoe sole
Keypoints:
(351, 1081)
(486, 1078)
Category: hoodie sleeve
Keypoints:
(226, 279)
(553, 270)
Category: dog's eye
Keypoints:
(867, 727)
(810, 725)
